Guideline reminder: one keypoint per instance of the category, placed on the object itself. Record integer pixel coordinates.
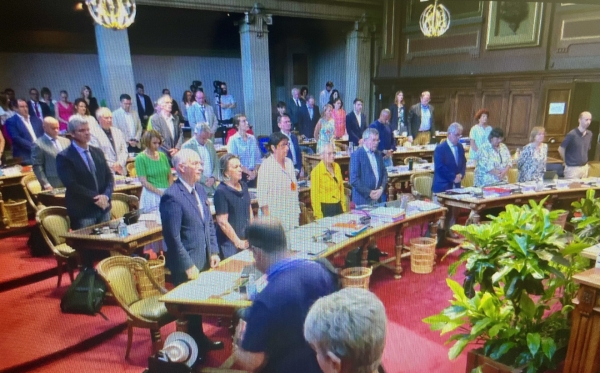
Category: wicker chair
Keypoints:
(122, 204)
(420, 185)
(348, 193)
(131, 169)
(53, 222)
(468, 180)
(148, 313)
(513, 175)
(31, 187)
(306, 215)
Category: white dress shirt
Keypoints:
(189, 188)
(29, 127)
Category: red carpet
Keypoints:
(18, 262)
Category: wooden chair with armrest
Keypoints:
(421, 184)
(122, 204)
(131, 169)
(119, 273)
(468, 180)
(306, 214)
(53, 222)
(31, 187)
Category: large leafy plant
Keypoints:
(517, 294)
(587, 225)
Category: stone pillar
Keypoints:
(256, 76)
(115, 65)
(358, 65)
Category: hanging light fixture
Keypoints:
(435, 20)
(115, 14)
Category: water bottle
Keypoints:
(410, 164)
(251, 286)
(122, 229)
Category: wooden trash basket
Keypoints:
(356, 277)
(422, 254)
(16, 212)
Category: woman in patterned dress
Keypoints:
(532, 160)
(494, 161)
(325, 128)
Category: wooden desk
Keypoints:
(52, 198)
(7, 182)
(180, 304)
(313, 144)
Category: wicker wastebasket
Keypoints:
(16, 213)
(157, 269)
(422, 254)
(356, 277)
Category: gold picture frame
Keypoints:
(514, 24)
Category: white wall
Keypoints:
(329, 63)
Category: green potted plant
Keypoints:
(517, 294)
(586, 219)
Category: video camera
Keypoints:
(196, 86)
(218, 90)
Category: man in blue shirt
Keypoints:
(421, 122)
(271, 337)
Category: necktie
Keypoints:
(199, 203)
(56, 145)
(91, 166)
(455, 151)
(297, 103)
(37, 110)
(310, 112)
(203, 114)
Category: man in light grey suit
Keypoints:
(168, 126)
(43, 154)
(111, 141)
(200, 112)
(129, 123)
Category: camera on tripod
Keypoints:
(196, 86)
(218, 89)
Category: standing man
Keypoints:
(368, 176)
(175, 110)
(201, 144)
(44, 152)
(421, 123)
(189, 233)
(144, 105)
(200, 112)
(308, 117)
(270, 336)
(356, 122)
(129, 123)
(294, 153)
(84, 172)
(23, 129)
(225, 114)
(387, 141)
(294, 107)
(325, 94)
(111, 141)
(37, 108)
(168, 126)
(575, 147)
(450, 165)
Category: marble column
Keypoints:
(256, 76)
(358, 66)
(116, 68)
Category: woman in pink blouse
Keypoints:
(64, 109)
(339, 116)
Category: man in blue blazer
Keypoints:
(294, 153)
(308, 117)
(356, 122)
(23, 129)
(450, 165)
(189, 232)
(368, 175)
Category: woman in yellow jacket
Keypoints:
(327, 186)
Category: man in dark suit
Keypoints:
(294, 152)
(421, 122)
(23, 129)
(89, 181)
(189, 232)
(450, 165)
(356, 122)
(37, 108)
(144, 105)
(44, 152)
(294, 107)
(308, 118)
(368, 176)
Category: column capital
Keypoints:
(257, 18)
(364, 25)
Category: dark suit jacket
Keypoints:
(362, 177)
(306, 126)
(21, 138)
(77, 178)
(354, 131)
(394, 122)
(294, 111)
(446, 168)
(414, 120)
(298, 164)
(44, 106)
(190, 239)
(144, 112)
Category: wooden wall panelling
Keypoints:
(557, 125)
(441, 102)
(520, 111)
(494, 102)
(464, 109)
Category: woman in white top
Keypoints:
(277, 190)
(81, 108)
(479, 133)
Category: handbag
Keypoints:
(85, 295)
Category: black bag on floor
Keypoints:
(85, 295)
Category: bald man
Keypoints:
(43, 154)
(575, 147)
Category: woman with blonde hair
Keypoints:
(325, 128)
(532, 159)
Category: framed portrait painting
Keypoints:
(514, 24)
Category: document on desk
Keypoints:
(211, 283)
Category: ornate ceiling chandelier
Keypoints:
(435, 20)
(115, 14)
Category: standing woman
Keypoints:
(47, 98)
(398, 121)
(153, 170)
(232, 207)
(339, 117)
(277, 190)
(494, 161)
(335, 94)
(90, 100)
(532, 160)
(327, 196)
(64, 109)
(80, 107)
(325, 128)
(187, 101)
(479, 133)
(303, 94)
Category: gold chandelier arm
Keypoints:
(115, 14)
(435, 20)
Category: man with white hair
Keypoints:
(110, 140)
(167, 125)
(368, 176)
(189, 232)
(44, 152)
(294, 107)
(347, 331)
(201, 144)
